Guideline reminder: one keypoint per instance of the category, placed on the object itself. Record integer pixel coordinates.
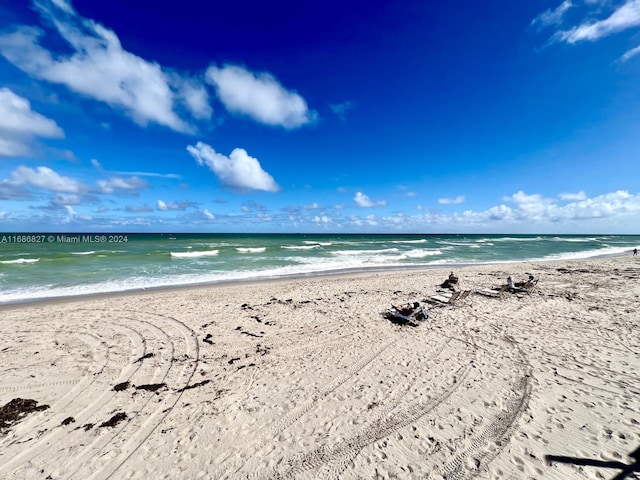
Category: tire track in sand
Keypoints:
(95, 458)
(500, 429)
(340, 455)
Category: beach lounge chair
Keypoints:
(409, 314)
(493, 292)
(442, 299)
(526, 287)
(463, 296)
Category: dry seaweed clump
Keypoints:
(15, 410)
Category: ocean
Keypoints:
(39, 266)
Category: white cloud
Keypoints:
(624, 17)
(324, 219)
(72, 215)
(208, 215)
(259, 96)
(19, 125)
(630, 53)
(98, 166)
(166, 206)
(101, 69)
(64, 6)
(553, 17)
(573, 196)
(451, 201)
(614, 212)
(364, 201)
(45, 179)
(537, 212)
(238, 171)
(130, 185)
(12, 148)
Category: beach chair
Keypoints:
(443, 300)
(463, 296)
(493, 292)
(525, 288)
(409, 314)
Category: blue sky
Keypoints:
(288, 116)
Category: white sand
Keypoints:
(307, 380)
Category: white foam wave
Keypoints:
(421, 253)
(299, 247)
(588, 253)
(20, 260)
(573, 240)
(459, 244)
(348, 253)
(142, 283)
(84, 253)
(423, 240)
(251, 250)
(322, 244)
(514, 239)
(197, 254)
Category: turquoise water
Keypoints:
(36, 266)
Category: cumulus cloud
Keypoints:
(238, 171)
(451, 201)
(19, 125)
(121, 185)
(324, 219)
(99, 68)
(46, 179)
(167, 206)
(536, 210)
(23, 181)
(259, 96)
(73, 216)
(624, 17)
(364, 201)
(521, 213)
(573, 196)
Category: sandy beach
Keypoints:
(305, 379)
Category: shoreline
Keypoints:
(285, 278)
(304, 378)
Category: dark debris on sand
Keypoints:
(121, 386)
(16, 409)
(113, 421)
(151, 387)
(67, 421)
(195, 385)
(148, 355)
